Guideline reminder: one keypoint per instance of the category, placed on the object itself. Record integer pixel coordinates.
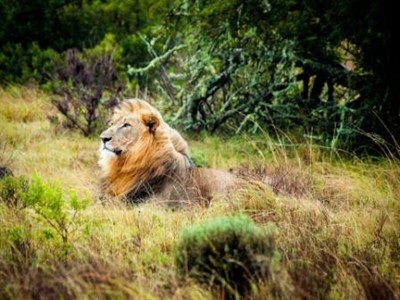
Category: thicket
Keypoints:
(322, 70)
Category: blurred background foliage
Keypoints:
(320, 70)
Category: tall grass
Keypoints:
(337, 218)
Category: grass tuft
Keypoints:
(226, 253)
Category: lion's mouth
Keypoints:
(115, 151)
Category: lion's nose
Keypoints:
(105, 139)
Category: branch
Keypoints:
(155, 62)
(226, 116)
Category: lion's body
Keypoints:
(152, 160)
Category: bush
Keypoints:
(227, 253)
(49, 203)
(11, 189)
(26, 64)
(85, 88)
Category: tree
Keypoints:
(250, 63)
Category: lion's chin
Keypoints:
(107, 154)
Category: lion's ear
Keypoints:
(151, 121)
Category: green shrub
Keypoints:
(49, 203)
(11, 189)
(227, 253)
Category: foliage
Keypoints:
(281, 65)
(81, 84)
(28, 64)
(11, 189)
(227, 253)
(38, 30)
(230, 72)
(49, 203)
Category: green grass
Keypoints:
(337, 217)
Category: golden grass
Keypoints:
(30, 144)
(338, 219)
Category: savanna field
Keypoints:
(331, 218)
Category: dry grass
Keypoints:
(337, 219)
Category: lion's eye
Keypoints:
(126, 125)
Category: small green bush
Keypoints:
(227, 253)
(11, 189)
(49, 203)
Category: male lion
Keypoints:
(143, 157)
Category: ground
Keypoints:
(337, 217)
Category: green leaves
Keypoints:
(11, 189)
(49, 202)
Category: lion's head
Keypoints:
(140, 152)
(128, 130)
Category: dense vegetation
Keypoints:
(323, 70)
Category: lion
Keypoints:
(142, 157)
